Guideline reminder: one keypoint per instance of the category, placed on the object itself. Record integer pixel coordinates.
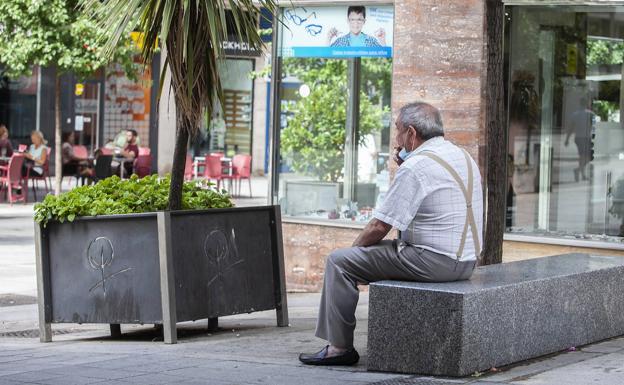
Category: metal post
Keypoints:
(608, 191)
(43, 285)
(279, 275)
(274, 134)
(96, 131)
(351, 130)
(547, 55)
(38, 100)
(115, 330)
(213, 324)
(167, 278)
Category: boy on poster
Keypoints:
(356, 17)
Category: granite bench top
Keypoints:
(513, 273)
(505, 313)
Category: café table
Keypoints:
(122, 164)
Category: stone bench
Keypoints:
(504, 314)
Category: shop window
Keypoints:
(565, 131)
(18, 106)
(128, 105)
(229, 130)
(333, 164)
(315, 149)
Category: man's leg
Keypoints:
(344, 269)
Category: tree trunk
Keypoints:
(496, 135)
(58, 160)
(179, 161)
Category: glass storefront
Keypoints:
(332, 169)
(18, 106)
(565, 67)
(230, 128)
(127, 105)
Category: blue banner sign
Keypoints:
(337, 31)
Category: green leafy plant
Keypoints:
(118, 196)
(314, 139)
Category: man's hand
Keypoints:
(380, 35)
(374, 232)
(395, 155)
(333, 32)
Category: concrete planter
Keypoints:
(160, 268)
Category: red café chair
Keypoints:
(143, 165)
(242, 170)
(213, 170)
(45, 176)
(11, 179)
(144, 151)
(106, 151)
(188, 168)
(80, 151)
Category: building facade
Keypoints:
(97, 109)
(562, 81)
(328, 166)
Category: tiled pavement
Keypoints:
(249, 349)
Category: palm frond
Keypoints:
(191, 31)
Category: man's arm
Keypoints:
(374, 232)
(127, 153)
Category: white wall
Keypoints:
(166, 123)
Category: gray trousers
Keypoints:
(346, 268)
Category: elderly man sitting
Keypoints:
(435, 201)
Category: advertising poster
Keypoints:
(337, 32)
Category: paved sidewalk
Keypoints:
(248, 349)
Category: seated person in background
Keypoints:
(6, 150)
(36, 156)
(72, 165)
(130, 152)
(121, 140)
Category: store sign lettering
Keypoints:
(239, 48)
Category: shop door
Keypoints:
(566, 132)
(87, 113)
(232, 134)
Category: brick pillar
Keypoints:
(439, 58)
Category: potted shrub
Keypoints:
(109, 253)
(153, 265)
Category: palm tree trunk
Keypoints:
(58, 160)
(496, 138)
(179, 161)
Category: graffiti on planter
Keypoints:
(101, 255)
(222, 254)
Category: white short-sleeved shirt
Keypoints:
(426, 204)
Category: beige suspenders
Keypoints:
(467, 191)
